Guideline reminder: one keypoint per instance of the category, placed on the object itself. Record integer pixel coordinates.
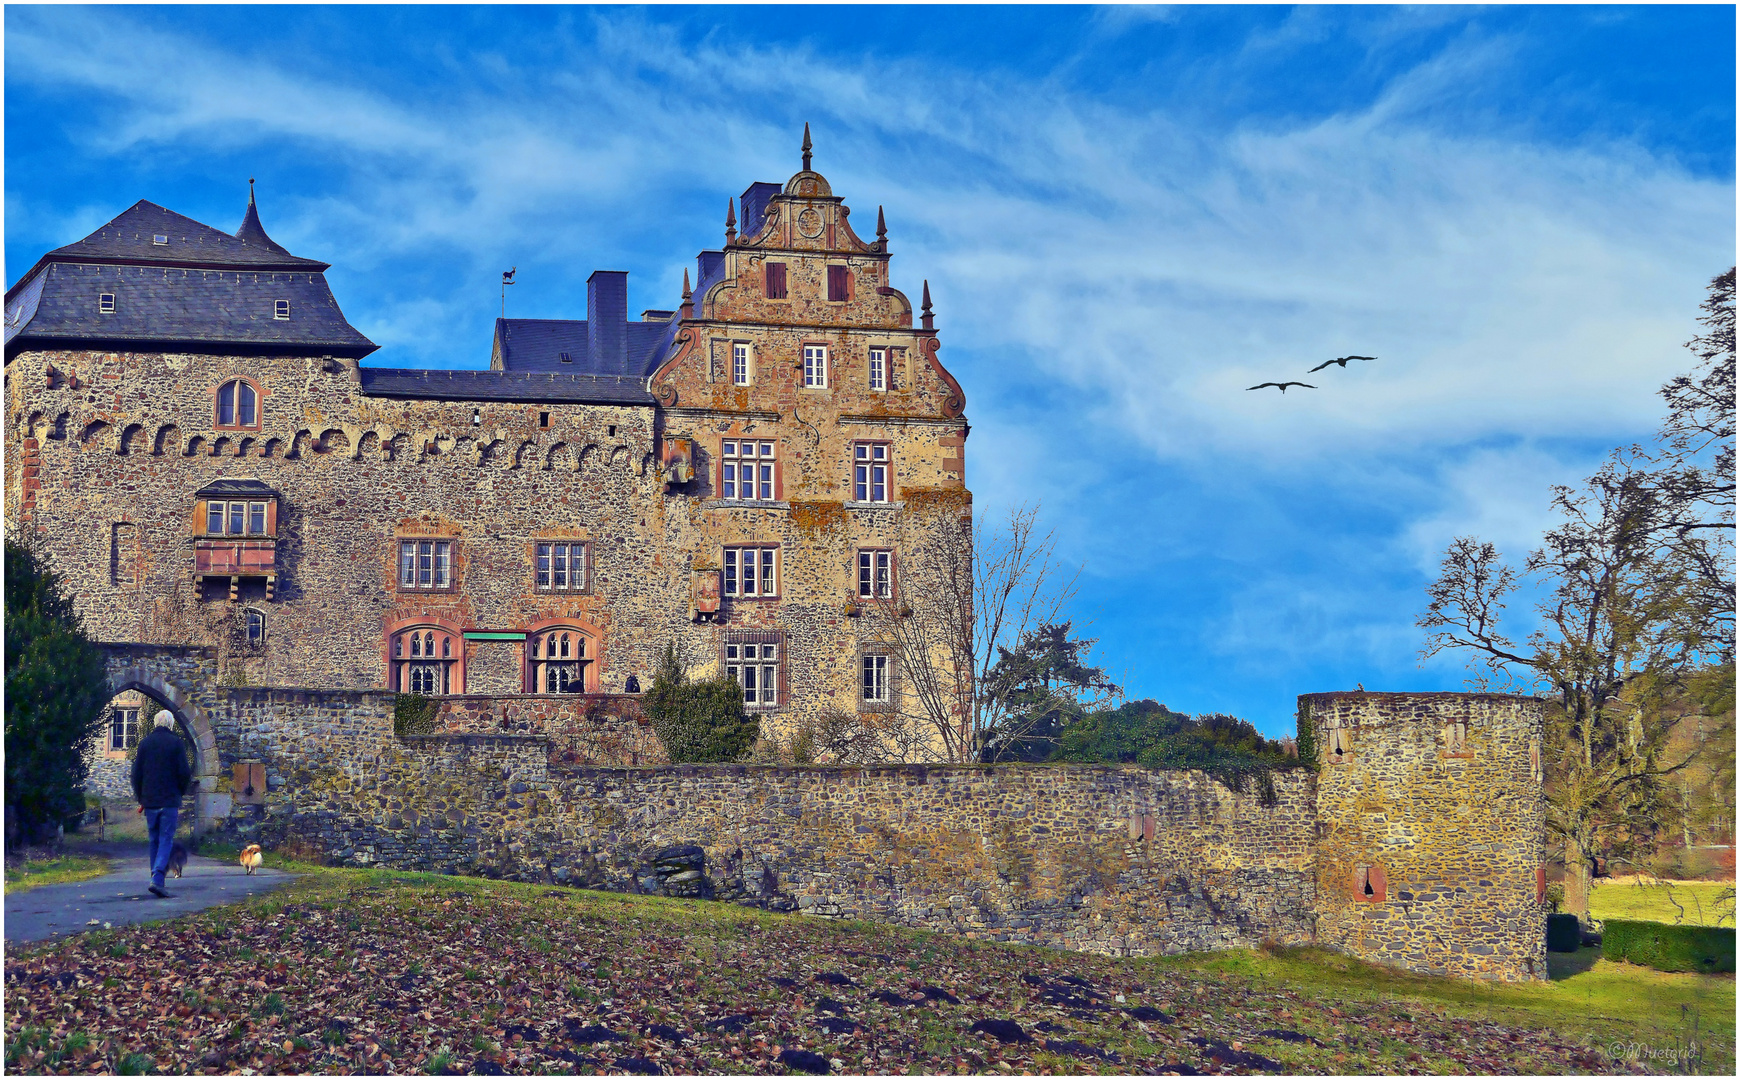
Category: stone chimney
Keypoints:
(607, 321)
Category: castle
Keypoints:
(277, 543)
(206, 461)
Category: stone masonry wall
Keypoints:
(1112, 860)
(591, 729)
(1433, 830)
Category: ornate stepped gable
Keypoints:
(601, 447)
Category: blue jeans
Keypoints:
(160, 822)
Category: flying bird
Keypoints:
(1342, 360)
(1281, 386)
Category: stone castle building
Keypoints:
(196, 445)
(274, 541)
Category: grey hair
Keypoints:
(164, 718)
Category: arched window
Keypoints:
(238, 405)
(254, 626)
(423, 659)
(557, 657)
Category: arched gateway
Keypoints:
(174, 676)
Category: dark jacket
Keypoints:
(161, 773)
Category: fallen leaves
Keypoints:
(413, 973)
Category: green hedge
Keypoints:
(1666, 947)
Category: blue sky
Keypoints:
(1127, 215)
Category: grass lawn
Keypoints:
(378, 971)
(1695, 903)
(59, 870)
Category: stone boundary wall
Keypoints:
(1124, 861)
(1439, 796)
(589, 729)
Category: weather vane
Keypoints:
(507, 278)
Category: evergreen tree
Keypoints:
(56, 688)
(1046, 685)
(698, 722)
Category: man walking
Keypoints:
(161, 774)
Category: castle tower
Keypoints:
(1431, 853)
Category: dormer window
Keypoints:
(159, 239)
(238, 405)
(106, 303)
(566, 358)
(280, 309)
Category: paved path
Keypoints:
(119, 897)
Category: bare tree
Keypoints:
(1637, 601)
(961, 598)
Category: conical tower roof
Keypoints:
(252, 232)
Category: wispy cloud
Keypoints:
(1109, 276)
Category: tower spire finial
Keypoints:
(926, 312)
(250, 191)
(881, 226)
(687, 292)
(730, 222)
(806, 146)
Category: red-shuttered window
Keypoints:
(839, 283)
(775, 281)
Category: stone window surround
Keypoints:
(869, 463)
(776, 459)
(891, 682)
(260, 395)
(446, 627)
(858, 572)
(827, 382)
(746, 636)
(591, 672)
(778, 572)
(532, 560)
(452, 585)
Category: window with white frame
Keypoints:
(746, 469)
(254, 626)
(237, 404)
(280, 309)
(235, 518)
(874, 686)
(123, 729)
(557, 660)
(740, 363)
(423, 661)
(751, 571)
(561, 566)
(753, 659)
(815, 366)
(870, 472)
(106, 303)
(878, 368)
(875, 574)
(426, 564)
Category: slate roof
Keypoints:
(538, 345)
(241, 487)
(128, 238)
(180, 307)
(556, 388)
(201, 289)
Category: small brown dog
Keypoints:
(252, 858)
(177, 857)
